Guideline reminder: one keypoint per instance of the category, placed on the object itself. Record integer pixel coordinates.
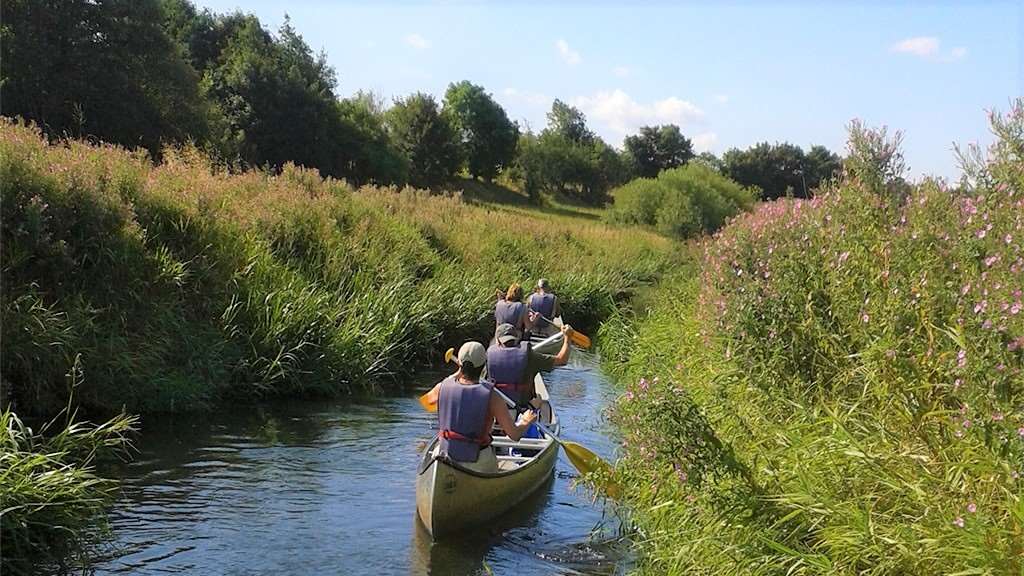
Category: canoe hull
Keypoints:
(450, 498)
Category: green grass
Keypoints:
(838, 391)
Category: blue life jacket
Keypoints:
(464, 419)
(506, 367)
(506, 312)
(544, 304)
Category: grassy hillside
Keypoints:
(179, 284)
(840, 390)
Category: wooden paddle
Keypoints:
(582, 458)
(578, 338)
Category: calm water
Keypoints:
(329, 488)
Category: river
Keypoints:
(328, 487)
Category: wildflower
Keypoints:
(959, 522)
(1015, 309)
(961, 358)
(997, 417)
(1020, 431)
(972, 507)
(629, 395)
(981, 233)
(957, 383)
(1015, 475)
(643, 384)
(966, 424)
(864, 318)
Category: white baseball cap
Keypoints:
(474, 354)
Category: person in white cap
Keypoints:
(467, 410)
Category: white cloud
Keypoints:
(705, 141)
(570, 56)
(417, 41)
(531, 98)
(621, 114)
(922, 46)
(621, 71)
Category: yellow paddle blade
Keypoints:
(429, 404)
(449, 354)
(580, 339)
(587, 462)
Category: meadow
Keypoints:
(837, 389)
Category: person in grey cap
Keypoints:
(543, 303)
(467, 409)
(512, 364)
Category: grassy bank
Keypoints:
(840, 389)
(180, 284)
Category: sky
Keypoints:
(729, 74)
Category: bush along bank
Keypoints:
(840, 390)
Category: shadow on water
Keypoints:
(328, 487)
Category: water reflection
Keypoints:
(329, 487)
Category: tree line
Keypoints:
(150, 73)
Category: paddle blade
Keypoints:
(449, 355)
(428, 402)
(586, 462)
(580, 339)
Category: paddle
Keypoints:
(582, 458)
(578, 338)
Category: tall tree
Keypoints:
(426, 139)
(487, 136)
(101, 69)
(569, 123)
(658, 148)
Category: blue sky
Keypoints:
(730, 74)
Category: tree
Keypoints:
(569, 123)
(488, 138)
(100, 69)
(425, 138)
(368, 152)
(780, 169)
(658, 148)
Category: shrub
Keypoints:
(840, 391)
(681, 202)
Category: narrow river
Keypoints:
(329, 488)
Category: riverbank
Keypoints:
(179, 285)
(838, 391)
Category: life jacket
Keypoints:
(506, 367)
(544, 304)
(464, 419)
(506, 312)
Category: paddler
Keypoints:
(512, 363)
(467, 410)
(543, 303)
(510, 309)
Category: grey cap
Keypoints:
(543, 283)
(506, 334)
(473, 354)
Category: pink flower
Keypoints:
(959, 522)
(961, 358)
(629, 395)
(972, 507)
(643, 383)
(997, 417)
(1020, 431)
(966, 424)
(864, 318)
(957, 383)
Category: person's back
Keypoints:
(510, 309)
(463, 412)
(506, 367)
(544, 303)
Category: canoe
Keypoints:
(451, 498)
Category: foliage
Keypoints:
(52, 498)
(426, 138)
(681, 202)
(567, 159)
(487, 136)
(658, 148)
(840, 391)
(182, 284)
(781, 170)
(373, 156)
(99, 69)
